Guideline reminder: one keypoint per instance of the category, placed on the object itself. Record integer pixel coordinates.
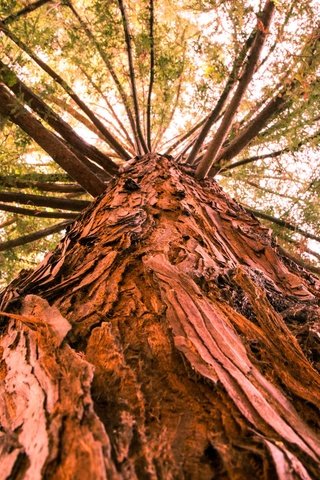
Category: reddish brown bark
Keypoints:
(185, 322)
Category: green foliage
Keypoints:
(195, 45)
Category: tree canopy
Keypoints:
(229, 88)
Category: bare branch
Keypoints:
(298, 260)
(111, 109)
(166, 124)
(276, 105)
(35, 213)
(32, 237)
(226, 124)
(110, 139)
(24, 11)
(185, 136)
(269, 190)
(8, 222)
(56, 122)
(128, 40)
(107, 63)
(38, 177)
(275, 154)
(151, 79)
(16, 182)
(254, 158)
(40, 201)
(297, 244)
(182, 154)
(60, 102)
(213, 117)
(283, 223)
(12, 109)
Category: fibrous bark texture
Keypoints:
(164, 338)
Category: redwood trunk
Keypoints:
(170, 348)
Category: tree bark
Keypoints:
(165, 338)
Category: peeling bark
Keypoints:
(192, 350)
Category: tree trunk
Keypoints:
(160, 340)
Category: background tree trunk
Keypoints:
(161, 340)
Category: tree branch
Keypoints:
(151, 79)
(40, 201)
(24, 11)
(254, 158)
(305, 249)
(107, 63)
(298, 260)
(12, 109)
(32, 237)
(112, 110)
(35, 213)
(15, 182)
(166, 122)
(226, 124)
(276, 105)
(128, 40)
(67, 107)
(38, 177)
(283, 223)
(8, 222)
(56, 122)
(185, 136)
(212, 118)
(112, 142)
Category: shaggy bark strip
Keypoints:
(49, 428)
(200, 334)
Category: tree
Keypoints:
(168, 335)
(174, 73)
